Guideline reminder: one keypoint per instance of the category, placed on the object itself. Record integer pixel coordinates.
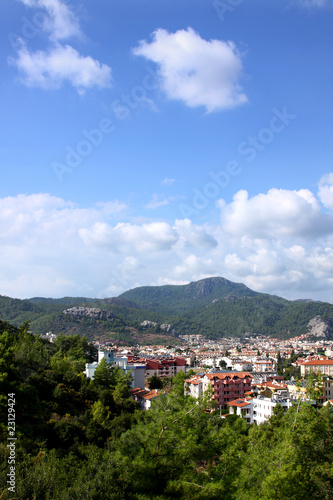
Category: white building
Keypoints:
(242, 407)
(146, 397)
(137, 370)
(194, 386)
(263, 407)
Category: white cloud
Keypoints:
(52, 247)
(278, 214)
(193, 235)
(60, 22)
(112, 207)
(156, 202)
(196, 71)
(152, 237)
(168, 182)
(49, 70)
(325, 191)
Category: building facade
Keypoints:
(325, 366)
(243, 408)
(165, 367)
(137, 370)
(263, 407)
(227, 386)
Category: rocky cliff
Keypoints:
(89, 312)
(320, 328)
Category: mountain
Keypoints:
(180, 298)
(214, 307)
(225, 308)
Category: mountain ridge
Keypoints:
(214, 307)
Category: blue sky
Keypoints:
(146, 143)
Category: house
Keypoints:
(238, 364)
(242, 407)
(145, 397)
(328, 402)
(269, 388)
(298, 390)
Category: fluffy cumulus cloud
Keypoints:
(59, 63)
(277, 214)
(151, 237)
(196, 71)
(56, 18)
(277, 242)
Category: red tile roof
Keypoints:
(231, 375)
(240, 403)
(318, 362)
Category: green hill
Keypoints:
(222, 307)
(176, 299)
(213, 307)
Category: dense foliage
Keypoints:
(217, 307)
(82, 439)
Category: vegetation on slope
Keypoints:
(213, 307)
(81, 439)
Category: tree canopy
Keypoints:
(84, 439)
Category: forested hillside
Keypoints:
(80, 439)
(222, 308)
(213, 307)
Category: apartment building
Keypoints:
(194, 386)
(263, 407)
(325, 366)
(164, 367)
(265, 365)
(227, 385)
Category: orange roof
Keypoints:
(137, 390)
(239, 402)
(151, 394)
(273, 386)
(195, 380)
(224, 375)
(319, 362)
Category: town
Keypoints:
(248, 377)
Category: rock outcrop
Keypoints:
(89, 312)
(147, 323)
(318, 327)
